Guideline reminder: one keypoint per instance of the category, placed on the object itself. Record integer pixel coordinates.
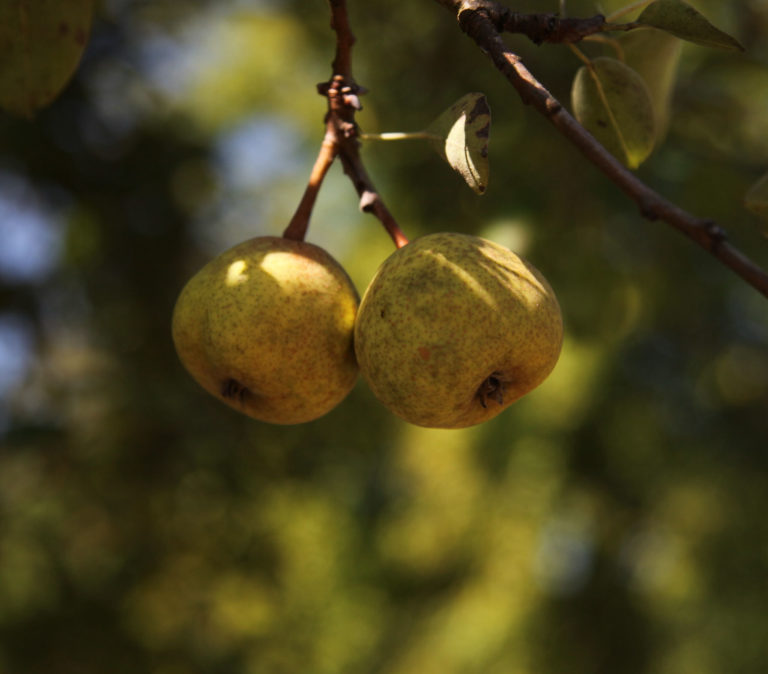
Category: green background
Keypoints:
(614, 520)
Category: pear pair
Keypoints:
(451, 330)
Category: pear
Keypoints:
(267, 327)
(454, 328)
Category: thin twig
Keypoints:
(478, 25)
(342, 137)
(345, 40)
(370, 200)
(539, 28)
(297, 227)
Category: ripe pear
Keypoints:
(454, 328)
(267, 327)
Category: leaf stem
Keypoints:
(603, 99)
(627, 10)
(580, 55)
(401, 135)
(610, 42)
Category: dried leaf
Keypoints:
(42, 43)
(462, 139)
(612, 101)
(683, 21)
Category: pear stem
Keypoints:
(342, 138)
(343, 102)
(297, 227)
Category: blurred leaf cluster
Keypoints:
(612, 521)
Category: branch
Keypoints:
(479, 19)
(370, 200)
(342, 64)
(297, 227)
(342, 137)
(539, 28)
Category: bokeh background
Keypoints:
(612, 521)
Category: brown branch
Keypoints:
(480, 26)
(538, 28)
(343, 104)
(370, 200)
(342, 137)
(342, 63)
(549, 28)
(297, 227)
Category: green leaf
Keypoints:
(756, 200)
(683, 21)
(654, 55)
(461, 137)
(613, 103)
(42, 43)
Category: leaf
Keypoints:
(756, 200)
(683, 21)
(654, 55)
(41, 42)
(461, 138)
(613, 103)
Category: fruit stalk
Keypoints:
(370, 201)
(297, 227)
(342, 138)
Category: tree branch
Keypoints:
(479, 19)
(342, 137)
(370, 200)
(538, 28)
(297, 227)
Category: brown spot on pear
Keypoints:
(267, 328)
(489, 320)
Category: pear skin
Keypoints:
(267, 328)
(454, 328)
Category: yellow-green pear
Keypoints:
(454, 328)
(267, 328)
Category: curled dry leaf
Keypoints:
(461, 137)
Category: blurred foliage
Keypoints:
(612, 521)
(43, 44)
